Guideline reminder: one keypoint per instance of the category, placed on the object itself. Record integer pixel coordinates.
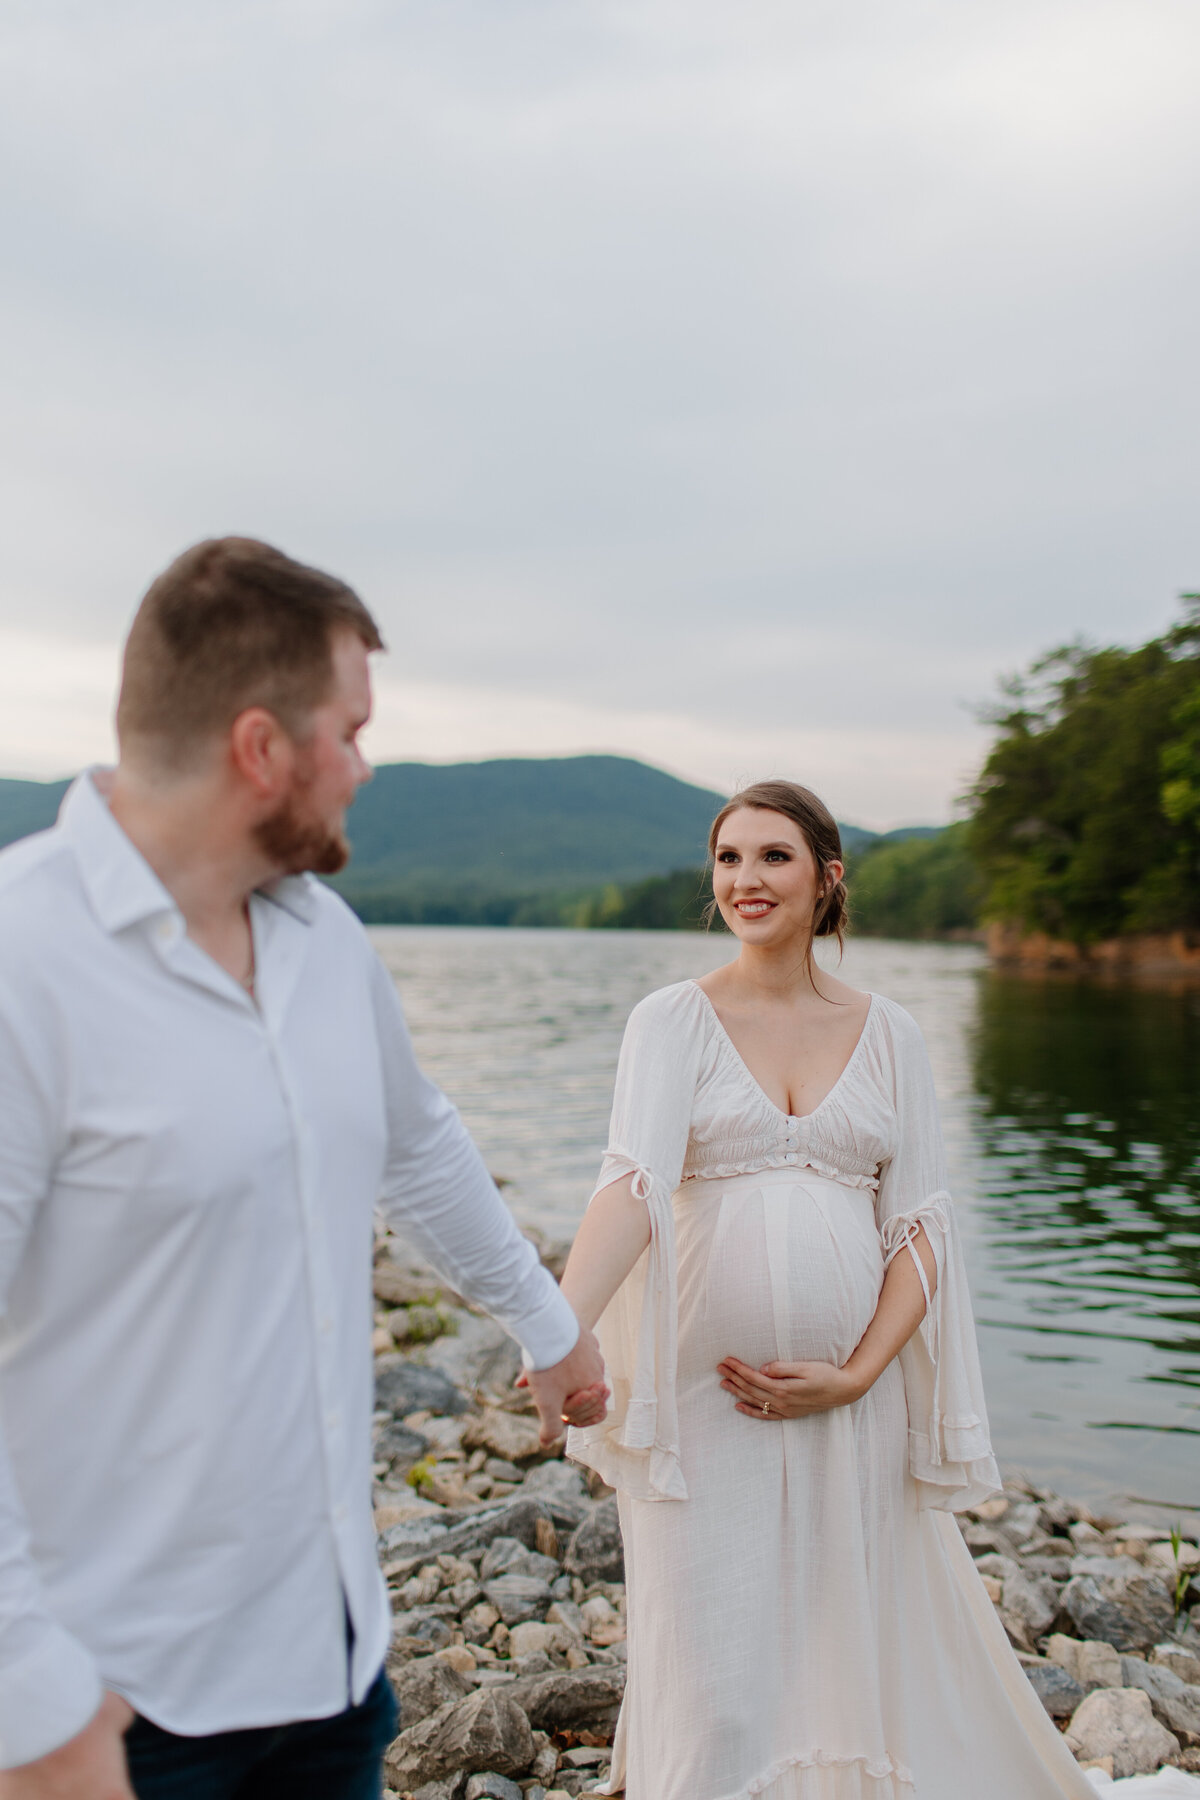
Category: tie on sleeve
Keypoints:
(636, 1449)
(950, 1453)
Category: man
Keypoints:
(206, 1087)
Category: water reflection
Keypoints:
(1088, 1136)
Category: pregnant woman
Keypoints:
(772, 1262)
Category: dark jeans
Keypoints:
(316, 1759)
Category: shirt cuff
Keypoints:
(46, 1698)
(550, 1330)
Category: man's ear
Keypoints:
(261, 751)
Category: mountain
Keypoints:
(27, 806)
(500, 841)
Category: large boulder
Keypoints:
(424, 1686)
(492, 1787)
(1113, 1598)
(413, 1541)
(1093, 1664)
(562, 1488)
(1119, 1722)
(1175, 1702)
(405, 1387)
(595, 1552)
(514, 1437)
(570, 1700)
(487, 1731)
(509, 1556)
(518, 1597)
(399, 1447)
(1058, 1691)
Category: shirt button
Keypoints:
(789, 1156)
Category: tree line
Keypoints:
(1084, 821)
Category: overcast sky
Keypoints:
(738, 385)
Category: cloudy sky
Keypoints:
(739, 386)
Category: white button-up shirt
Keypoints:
(187, 1187)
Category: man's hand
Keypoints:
(582, 1368)
(90, 1766)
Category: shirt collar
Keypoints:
(120, 883)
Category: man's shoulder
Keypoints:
(33, 872)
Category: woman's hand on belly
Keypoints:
(787, 1390)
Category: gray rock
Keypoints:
(563, 1489)
(480, 1354)
(419, 1538)
(422, 1687)
(492, 1787)
(1113, 1598)
(405, 1387)
(1031, 1599)
(400, 1447)
(595, 1552)
(1094, 1665)
(1175, 1702)
(487, 1731)
(1182, 1659)
(1054, 1568)
(464, 1534)
(1119, 1722)
(571, 1700)
(424, 1625)
(449, 1789)
(518, 1597)
(508, 1556)
(1058, 1691)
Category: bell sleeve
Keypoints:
(950, 1452)
(636, 1448)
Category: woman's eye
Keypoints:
(778, 856)
(728, 856)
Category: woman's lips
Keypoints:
(754, 909)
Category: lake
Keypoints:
(1073, 1131)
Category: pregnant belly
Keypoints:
(783, 1265)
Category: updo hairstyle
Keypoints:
(818, 828)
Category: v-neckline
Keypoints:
(756, 1084)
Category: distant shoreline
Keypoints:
(1150, 958)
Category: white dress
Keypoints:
(805, 1621)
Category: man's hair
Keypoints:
(232, 623)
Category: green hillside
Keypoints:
(530, 841)
(27, 806)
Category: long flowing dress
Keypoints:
(805, 1621)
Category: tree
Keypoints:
(1085, 820)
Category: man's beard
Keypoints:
(295, 842)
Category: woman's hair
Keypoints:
(817, 827)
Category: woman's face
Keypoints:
(765, 877)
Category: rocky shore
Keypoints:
(505, 1568)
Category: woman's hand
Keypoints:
(588, 1407)
(781, 1390)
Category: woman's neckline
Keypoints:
(753, 1080)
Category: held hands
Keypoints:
(92, 1763)
(788, 1390)
(572, 1392)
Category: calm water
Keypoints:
(1073, 1133)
